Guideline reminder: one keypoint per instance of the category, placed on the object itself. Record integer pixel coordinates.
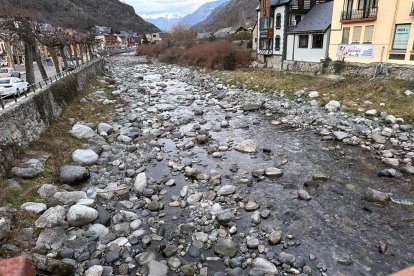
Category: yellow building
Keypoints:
(369, 31)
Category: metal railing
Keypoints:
(41, 84)
(359, 14)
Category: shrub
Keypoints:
(229, 60)
(338, 65)
(148, 50)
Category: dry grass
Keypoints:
(352, 92)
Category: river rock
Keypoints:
(79, 215)
(333, 106)
(4, 227)
(73, 175)
(68, 197)
(264, 265)
(85, 157)
(33, 207)
(225, 216)
(51, 239)
(225, 248)
(27, 173)
(275, 237)
(103, 127)
(82, 132)
(95, 270)
(226, 190)
(140, 182)
(52, 217)
(247, 146)
(157, 268)
(376, 196)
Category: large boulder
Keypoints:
(82, 132)
(53, 217)
(73, 174)
(79, 215)
(85, 157)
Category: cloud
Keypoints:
(165, 8)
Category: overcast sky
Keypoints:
(165, 8)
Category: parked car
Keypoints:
(7, 72)
(3, 63)
(10, 86)
(71, 66)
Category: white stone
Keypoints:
(226, 190)
(247, 146)
(100, 230)
(85, 157)
(333, 106)
(313, 94)
(371, 112)
(408, 92)
(157, 268)
(53, 217)
(95, 270)
(79, 215)
(390, 119)
(4, 227)
(33, 207)
(264, 265)
(82, 132)
(140, 182)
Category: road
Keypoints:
(50, 71)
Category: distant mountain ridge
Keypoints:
(167, 24)
(84, 14)
(232, 14)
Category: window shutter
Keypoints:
(356, 36)
(369, 33)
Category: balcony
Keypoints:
(355, 16)
(266, 23)
(412, 9)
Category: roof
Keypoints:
(318, 19)
(276, 3)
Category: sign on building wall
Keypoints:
(401, 36)
(355, 51)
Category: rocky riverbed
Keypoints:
(192, 177)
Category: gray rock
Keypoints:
(333, 106)
(253, 243)
(287, 258)
(100, 230)
(140, 183)
(79, 215)
(275, 237)
(225, 216)
(51, 239)
(376, 196)
(264, 265)
(33, 207)
(27, 173)
(174, 263)
(95, 270)
(4, 227)
(255, 218)
(157, 268)
(103, 127)
(273, 172)
(12, 184)
(47, 190)
(247, 146)
(85, 157)
(53, 266)
(53, 217)
(111, 256)
(340, 135)
(304, 195)
(145, 258)
(251, 107)
(82, 132)
(225, 248)
(226, 190)
(68, 197)
(73, 174)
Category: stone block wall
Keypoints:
(24, 122)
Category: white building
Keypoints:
(309, 40)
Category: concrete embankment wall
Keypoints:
(25, 121)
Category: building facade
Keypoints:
(275, 19)
(368, 31)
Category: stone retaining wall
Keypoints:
(24, 122)
(386, 70)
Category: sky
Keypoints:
(165, 8)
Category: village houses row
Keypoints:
(363, 31)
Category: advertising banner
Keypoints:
(355, 51)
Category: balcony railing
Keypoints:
(359, 15)
(266, 23)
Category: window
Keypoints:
(369, 33)
(303, 41)
(277, 43)
(401, 36)
(349, 5)
(266, 44)
(356, 36)
(298, 18)
(317, 41)
(345, 35)
(278, 21)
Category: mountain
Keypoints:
(201, 13)
(84, 14)
(163, 23)
(233, 14)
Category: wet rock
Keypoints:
(275, 237)
(85, 157)
(194, 198)
(79, 215)
(225, 248)
(376, 196)
(33, 207)
(27, 173)
(52, 217)
(111, 257)
(264, 265)
(73, 175)
(140, 183)
(157, 268)
(189, 269)
(82, 132)
(169, 250)
(225, 216)
(103, 215)
(174, 263)
(304, 195)
(247, 146)
(273, 172)
(255, 218)
(4, 227)
(251, 206)
(393, 162)
(382, 247)
(193, 251)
